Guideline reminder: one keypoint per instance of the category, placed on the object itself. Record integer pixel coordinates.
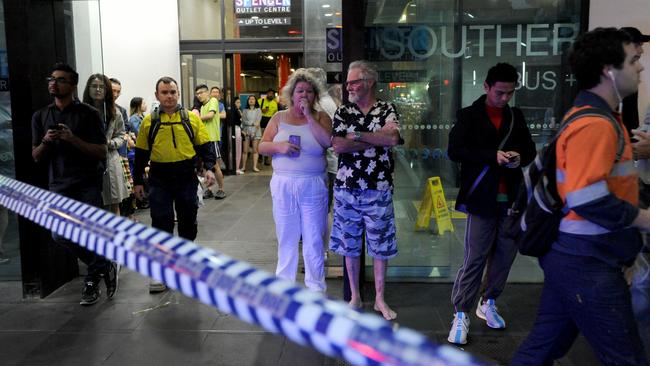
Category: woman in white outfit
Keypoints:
(299, 182)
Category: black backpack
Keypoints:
(536, 213)
(156, 123)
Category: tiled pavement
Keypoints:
(137, 328)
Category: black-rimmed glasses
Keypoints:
(51, 79)
(353, 82)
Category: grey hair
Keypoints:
(299, 75)
(368, 70)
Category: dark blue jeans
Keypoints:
(582, 294)
(97, 265)
(179, 193)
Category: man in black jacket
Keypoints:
(491, 142)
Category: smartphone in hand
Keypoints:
(294, 140)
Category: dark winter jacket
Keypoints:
(474, 141)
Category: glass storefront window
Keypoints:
(9, 243)
(432, 58)
(197, 70)
(263, 19)
(323, 23)
(199, 19)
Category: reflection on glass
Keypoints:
(9, 244)
(200, 19)
(432, 58)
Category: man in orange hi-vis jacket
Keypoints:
(584, 289)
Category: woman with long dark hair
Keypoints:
(98, 94)
(137, 108)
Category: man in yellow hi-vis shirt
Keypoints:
(172, 151)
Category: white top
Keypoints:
(310, 162)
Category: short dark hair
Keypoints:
(60, 66)
(214, 87)
(115, 81)
(502, 72)
(199, 87)
(594, 50)
(165, 80)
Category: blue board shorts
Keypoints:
(356, 209)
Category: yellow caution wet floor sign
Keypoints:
(434, 202)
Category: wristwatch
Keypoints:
(357, 135)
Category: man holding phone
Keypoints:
(491, 142)
(69, 137)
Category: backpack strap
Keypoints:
(185, 120)
(155, 125)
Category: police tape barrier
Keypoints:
(232, 286)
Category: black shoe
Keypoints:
(89, 294)
(111, 279)
(220, 195)
(142, 205)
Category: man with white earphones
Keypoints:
(584, 287)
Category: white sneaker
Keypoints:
(459, 329)
(488, 311)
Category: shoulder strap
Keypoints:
(596, 112)
(185, 120)
(501, 145)
(155, 126)
(512, 123)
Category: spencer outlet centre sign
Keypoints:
(262, 6)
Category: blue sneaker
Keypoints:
(488, 311)
(459, 329)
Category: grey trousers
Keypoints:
(485, 243)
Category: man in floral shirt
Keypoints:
(364, 130)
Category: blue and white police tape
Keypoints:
(230, 285)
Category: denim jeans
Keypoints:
(169, 194)
(582, 294)
(97, 265)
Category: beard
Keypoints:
(353, 98)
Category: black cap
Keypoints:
(637, 36)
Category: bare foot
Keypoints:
(355, 304)
(385, 310)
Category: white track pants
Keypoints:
(300, 209)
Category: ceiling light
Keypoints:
(326, 5)
(328, 14)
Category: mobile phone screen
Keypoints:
(294, 140)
